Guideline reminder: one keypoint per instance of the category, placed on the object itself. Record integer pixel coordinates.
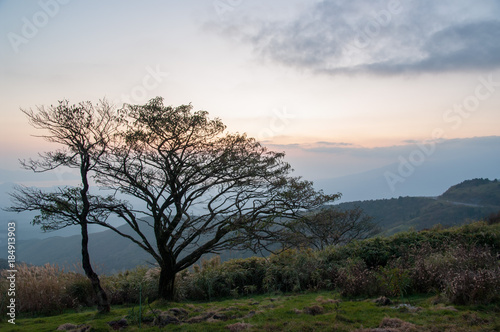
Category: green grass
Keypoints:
(282, 313)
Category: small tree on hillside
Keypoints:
(328, 226)
(84, 132)
(205, 190)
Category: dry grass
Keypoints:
(46, 289)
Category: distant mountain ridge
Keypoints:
(109, 252)
(466, 201)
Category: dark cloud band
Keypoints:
(383, 37)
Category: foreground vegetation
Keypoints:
(433, 273)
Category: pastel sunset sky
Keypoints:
(312, 78)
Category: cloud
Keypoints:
(467, 46)
(459, 155)
(342, 148)
(317, 146)
(391, 152)
(291, 146)
(324, 143)
(381, 37)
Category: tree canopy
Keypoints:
(205, 189)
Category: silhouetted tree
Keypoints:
(205, 190)
(84, 132)
(328, 226)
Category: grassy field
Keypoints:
(314, 311)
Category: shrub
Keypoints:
(246, 275)
(458, 271)
(128, 286)
(281, 274)
(208, 281)
(473, 287)
(375, 252)
(296, 270)
(427, 273)
(393, 281)
(80, 290)
(355, 279)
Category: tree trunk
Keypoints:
(102, 298)
(167, 283)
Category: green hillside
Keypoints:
(470, 200)
(481, 192)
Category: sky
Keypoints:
(341, 86)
